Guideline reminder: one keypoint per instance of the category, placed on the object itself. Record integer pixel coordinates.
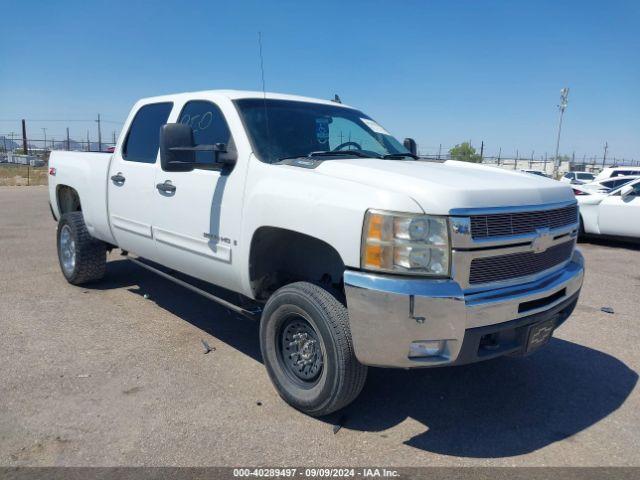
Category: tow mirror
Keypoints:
(411, 145)
(174, 139)
(178, 150)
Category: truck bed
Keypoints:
(87, 173)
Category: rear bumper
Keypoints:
(409, 322)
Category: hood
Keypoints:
(440, 187)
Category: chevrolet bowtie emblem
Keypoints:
(542, 241)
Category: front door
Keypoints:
(619, 215)
(131, 181)
(197, 219)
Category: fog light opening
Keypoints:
(427, 348)
(490, 341)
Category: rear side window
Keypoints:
(143, 139)
(585, 176)
(208, 125)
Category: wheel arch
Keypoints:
(67, 199)
(279, 256)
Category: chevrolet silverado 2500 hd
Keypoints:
(351, 250)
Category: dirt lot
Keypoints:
(105, 376)
(18, 175)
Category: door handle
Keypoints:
(166, 187)
(118, 178)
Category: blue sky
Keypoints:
(441, 72)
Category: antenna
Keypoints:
(264, 95)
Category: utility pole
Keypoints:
(531, 161)
(564, 95)
(604, 157)
(99, 134)
(481, 151)
(114, 137)
(44, 130)
(515, 165)
(88, 142)
(68, 142)
(499, 154)
(24, 138)
(439, 151)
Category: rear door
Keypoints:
(131, 180)
(197, 223)
(620, 216)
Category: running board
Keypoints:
(255, 313)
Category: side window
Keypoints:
(570, 175)
(208, 124)
(143, 139)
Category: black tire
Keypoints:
(581, 232)
(90, 255)
(341, 376)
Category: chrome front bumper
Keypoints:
(391, 315)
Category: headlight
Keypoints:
(405, 243)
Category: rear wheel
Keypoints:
(82, 257)
(307, 349)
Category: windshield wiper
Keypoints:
(337, 153)
(400, 155)
(343, 153)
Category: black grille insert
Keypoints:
(504, 224)
(514, 265)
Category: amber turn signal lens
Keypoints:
(375, 227)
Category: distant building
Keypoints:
(24, 160)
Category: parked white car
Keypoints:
(614, 214)
(348, 249)
(611, 172)
(577, 178)
(607, 185)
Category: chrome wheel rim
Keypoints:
(67, 250)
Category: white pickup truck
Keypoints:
(350, 250)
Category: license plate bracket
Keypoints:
(539, 334)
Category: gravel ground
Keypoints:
(104, 376)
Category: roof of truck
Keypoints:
(239, 94)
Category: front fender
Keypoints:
(305, 201)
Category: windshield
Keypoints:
(281, 129)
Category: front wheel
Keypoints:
(307, 349)
(82, 257)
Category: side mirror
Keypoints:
(411, 145)
(176, 143)
(626, 191)
(178, 150)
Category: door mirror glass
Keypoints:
(411, 145)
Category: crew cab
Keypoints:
(309, 216)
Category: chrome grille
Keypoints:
(513, 265)
(504, 224)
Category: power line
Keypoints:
(60, 120)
